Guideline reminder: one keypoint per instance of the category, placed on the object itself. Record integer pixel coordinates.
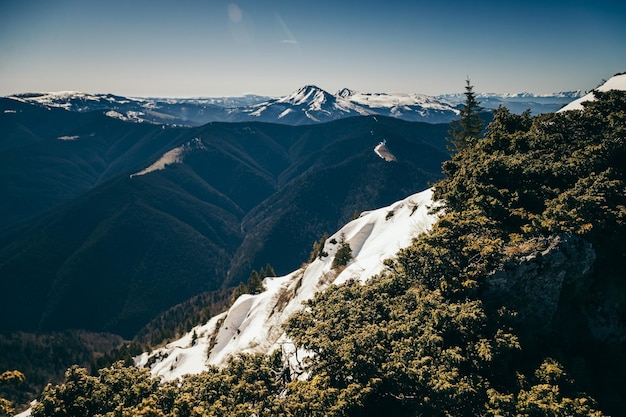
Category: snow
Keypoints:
(284, 113)
(396, 101)
(382, 151)
(316, 104)
(617, 82)
(253, 324)
(27, 412)
(173, 156)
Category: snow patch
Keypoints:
(284, 113)
(382, 151)
(116, 115)
(174, 156)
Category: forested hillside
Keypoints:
(512, 305)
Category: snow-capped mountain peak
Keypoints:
(308, 104)
(345, 93)
(309, 94)
(253, 324)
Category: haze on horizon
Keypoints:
(209, 48)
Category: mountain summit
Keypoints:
(308, 104)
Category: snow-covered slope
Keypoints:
(254, 322)
(73, 100)
(173, 156)
(179, 111)
(418, 107)
(617, 82)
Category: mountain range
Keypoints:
(105, 222)
(307, 105)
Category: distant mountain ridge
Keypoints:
(105, 223)
(306, 105)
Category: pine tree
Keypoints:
(467, 129)
(269, 271)
(344, 253)
(255, 283)
(241, 289)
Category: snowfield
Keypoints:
(253, 324)
(617, 82)
(396, 101)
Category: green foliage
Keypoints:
(343, 254)
(45, 357)
(254, 285)
(247, 386)
(401, 347)
(179, 320)
(465, 131)
(555, 173)
(318, 248)
(116, 391)
(268, 271)
(9, 377)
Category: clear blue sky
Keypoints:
(191, 48)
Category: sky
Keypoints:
(213, 48)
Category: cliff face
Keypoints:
(553, 286)
(533, 284)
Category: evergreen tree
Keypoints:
(344, 253)
(269, 271)
(318, 248)
(466, 130)
(255, 283)
(239, 290)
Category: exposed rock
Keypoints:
(533, 284)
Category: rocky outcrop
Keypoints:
(534, 284)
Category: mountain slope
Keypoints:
(617, 82)
(309, 104)
(146, 208)
(254, 323)
(412, 107)
(50, 156)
